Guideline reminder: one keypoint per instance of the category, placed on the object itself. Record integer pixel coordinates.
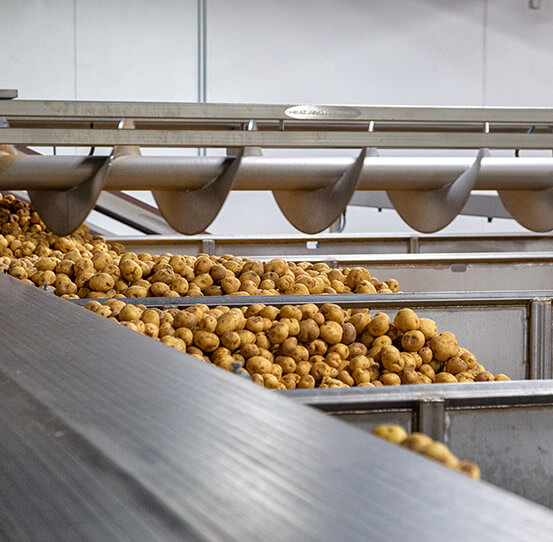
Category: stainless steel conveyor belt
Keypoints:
(113, 435)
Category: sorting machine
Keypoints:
(112, 434)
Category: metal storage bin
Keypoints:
(506, 427)
(509, 332)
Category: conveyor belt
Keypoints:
(209, 454)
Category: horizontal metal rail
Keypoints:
(171, 111)
(297, 246)
(373, 301)
(281, 140)
(489, 394)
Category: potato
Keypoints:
(136, 291)
(208, 323)
(259, 365)
(392, 433)
(391, 359)
(303, 368)
(360, 321)
(166, 329)
(413, 340)
(269, 312)
(278, 266)
(349, 334)
(340, 349)
(444, 346)
(230, 340)
(309, 330)
(441, 453)
(333, 313)
(390, 379)
(469, 468)
(428, 327)
(300, 354)
(129, 313)
(206, 341)
(186, 319)
(484, 376)
(501, 378)
(150, 316)
(406, 320)
(230, 285)
(317, 347)
(184, 334)
(249, 350)
(180, 286)
(416, 441)
(334, 360)
(293, 326)
(331, 332)
(64, 285)
(159, 289)
(427, 370)
(455, 365)
(228, 321)
(445, 378)
(101, 282)
(468, 358)
(393, 285)
(278, 333)
(246, 337)
(360, 362)
(357, 275)
(379, 325)
(306, 381)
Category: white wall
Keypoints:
(474, 52)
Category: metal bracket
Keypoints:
(428, 211)
(63, 211)
(312, 211)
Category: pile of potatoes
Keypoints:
(82, 265)
(426, 446)
(303, 346)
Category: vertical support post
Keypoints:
(431, 417)
(202, 57)
(540, 340)
(414, 245)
